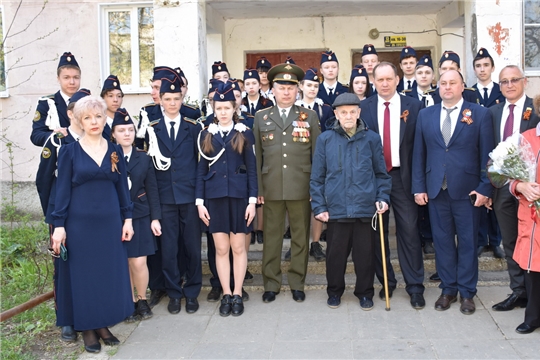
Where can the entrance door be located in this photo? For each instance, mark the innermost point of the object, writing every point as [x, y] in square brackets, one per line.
[304, 59]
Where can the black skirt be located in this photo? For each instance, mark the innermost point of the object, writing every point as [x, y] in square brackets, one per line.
[227, 215]
[143, 242]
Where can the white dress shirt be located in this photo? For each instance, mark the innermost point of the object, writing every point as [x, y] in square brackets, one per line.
[481, 89]
[327, 87]
[65, 97]
[395, 125]
[518, 111]
[454, 116]
[176, 124]
[109, 121]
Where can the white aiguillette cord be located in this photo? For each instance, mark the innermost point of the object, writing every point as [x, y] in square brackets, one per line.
[52, 121]
[144, 124]
[161, 162]
[212, 159]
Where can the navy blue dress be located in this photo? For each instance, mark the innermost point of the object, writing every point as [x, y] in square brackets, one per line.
[91, 203]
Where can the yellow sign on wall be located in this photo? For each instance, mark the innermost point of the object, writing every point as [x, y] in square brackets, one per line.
[395, 41]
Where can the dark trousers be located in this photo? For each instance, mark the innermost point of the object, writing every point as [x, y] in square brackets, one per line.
[532, 312]
[457, 264]
[409, 246]
[424, 226]
[156, 279]
[181, 229]
[211, 246]
[489, 232]
[506, 209]
[341, 237]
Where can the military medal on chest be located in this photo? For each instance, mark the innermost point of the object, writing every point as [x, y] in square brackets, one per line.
[301, 129]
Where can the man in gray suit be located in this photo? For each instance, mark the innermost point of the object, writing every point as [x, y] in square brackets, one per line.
[515, 114]
[285, 137]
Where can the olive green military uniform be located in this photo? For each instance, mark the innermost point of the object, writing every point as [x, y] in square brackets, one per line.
[284, 153]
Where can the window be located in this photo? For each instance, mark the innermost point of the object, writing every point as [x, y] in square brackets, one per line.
[531, 21]
[3, 85]
[127, 45]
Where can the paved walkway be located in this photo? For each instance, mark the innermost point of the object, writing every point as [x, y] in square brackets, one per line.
[285, 329]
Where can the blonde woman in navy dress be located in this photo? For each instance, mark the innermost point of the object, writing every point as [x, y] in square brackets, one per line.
[92, 219]
[144, 194]
[226, 192]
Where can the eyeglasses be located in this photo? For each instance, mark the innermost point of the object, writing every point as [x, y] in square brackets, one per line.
[511, 81]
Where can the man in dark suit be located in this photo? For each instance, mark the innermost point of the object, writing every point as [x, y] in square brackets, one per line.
[51, 112]
[451, 147]
[513, 115]
[393, 116]
[285, 137]
[173, 144]
[330, 88]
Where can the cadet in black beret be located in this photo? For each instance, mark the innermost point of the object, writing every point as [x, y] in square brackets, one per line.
[263, 65]
[407, 63]
[359, 82]
[220, 71]
[253, 100]
[289, 60]
[331, 87]
[51, 115]
[370, 59]
[424, 90]
[450, 61]
[113, 95]
[488, 92]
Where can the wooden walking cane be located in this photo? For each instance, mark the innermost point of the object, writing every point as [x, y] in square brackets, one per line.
[383, 252]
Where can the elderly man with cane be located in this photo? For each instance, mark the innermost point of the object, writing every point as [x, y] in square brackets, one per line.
[349, 184]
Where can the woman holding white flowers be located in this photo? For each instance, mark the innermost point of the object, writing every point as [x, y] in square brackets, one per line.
[226, 192]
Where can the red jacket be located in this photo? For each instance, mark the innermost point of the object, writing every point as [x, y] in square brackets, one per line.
[527, 250]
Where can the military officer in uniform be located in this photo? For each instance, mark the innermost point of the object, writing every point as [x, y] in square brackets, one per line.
[285, 137]
[51, 115]
[330, 87]
[407, 63]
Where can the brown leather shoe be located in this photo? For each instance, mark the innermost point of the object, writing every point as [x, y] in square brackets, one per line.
[444, 301]
[467, 306]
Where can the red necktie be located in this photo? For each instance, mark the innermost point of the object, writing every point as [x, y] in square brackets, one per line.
[387, 149]
[509, 126]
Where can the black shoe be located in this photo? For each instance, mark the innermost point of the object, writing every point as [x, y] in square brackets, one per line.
[143, 309]
[237, 305]
[107, 337]
[435, 277]
[192, 305]
[333, 302]
[260, 237]
[525, 329]
[287, 256]
[269, 296]
[390, 292]
[366, 303]
[323, 236]
[155, 297]
[174, 305]
[91, 341]
[245, 295]
[214, 294]
[225, 308]
[298, 295]
[287, 234]
[498, 252]
[429, 249]
[133, 317]
[68, 334]
[510, 303]
[317, 252]
[253, 237]
[480, 250]
[417, 301]
[248, 277]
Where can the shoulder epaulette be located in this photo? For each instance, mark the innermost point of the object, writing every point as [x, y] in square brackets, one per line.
[470, 89]
[154, 122]
[141, 150]
[265, 109]
[191, 121]
[191, 106]
[407, 90]
[150, 104]
[429, 91]
[46, 97]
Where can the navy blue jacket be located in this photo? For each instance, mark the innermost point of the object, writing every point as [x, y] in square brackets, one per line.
[463, 160]
[233, 175]
[177, 184]
[433, 92]
[40, 131]
[262, 103]
[401, 84]
[406, 130]
[144, 190]
[348, 175]
[494, 98]
[190, 112]
[46, 174]
[323, 95]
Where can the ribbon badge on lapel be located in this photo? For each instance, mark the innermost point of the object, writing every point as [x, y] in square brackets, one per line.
[404, 115]
[114, 161]
[527, 114]
[467, 117]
